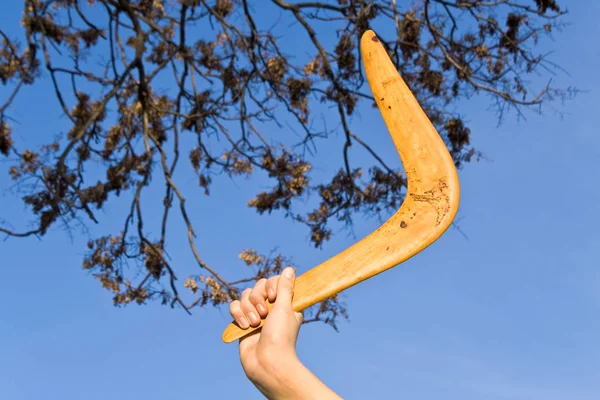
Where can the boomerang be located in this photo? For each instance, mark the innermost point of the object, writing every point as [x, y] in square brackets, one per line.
[430, 205]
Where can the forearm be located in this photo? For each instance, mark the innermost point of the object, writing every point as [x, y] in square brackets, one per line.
[306, 386]
[297, 382]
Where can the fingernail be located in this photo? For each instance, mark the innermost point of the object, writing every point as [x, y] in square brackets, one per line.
[289, 272]
[253, 318]
[262, 309]
[244, 323]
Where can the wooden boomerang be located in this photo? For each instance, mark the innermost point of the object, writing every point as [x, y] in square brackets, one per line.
[430, 205]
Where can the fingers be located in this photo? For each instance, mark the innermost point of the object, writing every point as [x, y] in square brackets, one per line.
[272, 288]
[257, 297]
[252, 306]
[249, 309]
[235, 309]
[285, 288]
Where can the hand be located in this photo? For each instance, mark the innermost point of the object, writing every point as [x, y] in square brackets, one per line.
[268, 356]
[264, 354]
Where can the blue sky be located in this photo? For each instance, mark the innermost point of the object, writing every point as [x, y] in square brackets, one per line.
[511, 313]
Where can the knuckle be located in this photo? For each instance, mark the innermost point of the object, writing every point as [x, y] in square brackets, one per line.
[272, 282]
[261, 281]
[235, 307]
[256, 296]
[236, 314]
[247, 306]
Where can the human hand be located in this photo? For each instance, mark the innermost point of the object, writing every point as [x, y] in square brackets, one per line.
[269, 355]
[270, 352]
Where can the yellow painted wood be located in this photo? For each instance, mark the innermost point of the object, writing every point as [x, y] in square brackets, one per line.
[430, 205]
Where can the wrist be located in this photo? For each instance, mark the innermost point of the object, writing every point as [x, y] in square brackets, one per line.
[285, 369]
[274, 375]
[289, 376]
[298, 383]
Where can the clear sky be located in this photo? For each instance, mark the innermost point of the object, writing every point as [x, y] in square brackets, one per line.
[509, 314]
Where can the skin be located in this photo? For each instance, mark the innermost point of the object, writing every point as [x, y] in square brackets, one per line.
[269, 356]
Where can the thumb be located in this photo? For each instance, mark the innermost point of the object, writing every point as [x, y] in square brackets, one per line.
[285, 288]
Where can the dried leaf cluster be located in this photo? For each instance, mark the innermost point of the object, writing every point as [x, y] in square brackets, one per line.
[231, 82]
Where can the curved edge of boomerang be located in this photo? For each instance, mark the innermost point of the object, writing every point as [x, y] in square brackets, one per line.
[430, 205]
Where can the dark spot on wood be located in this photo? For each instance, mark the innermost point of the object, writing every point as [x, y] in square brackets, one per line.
[389, 107]
[375, 39]
[414, 214]
[382, 99]
[403, 224]
[387, 248]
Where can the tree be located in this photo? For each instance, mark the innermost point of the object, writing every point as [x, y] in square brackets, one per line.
[229, 78]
